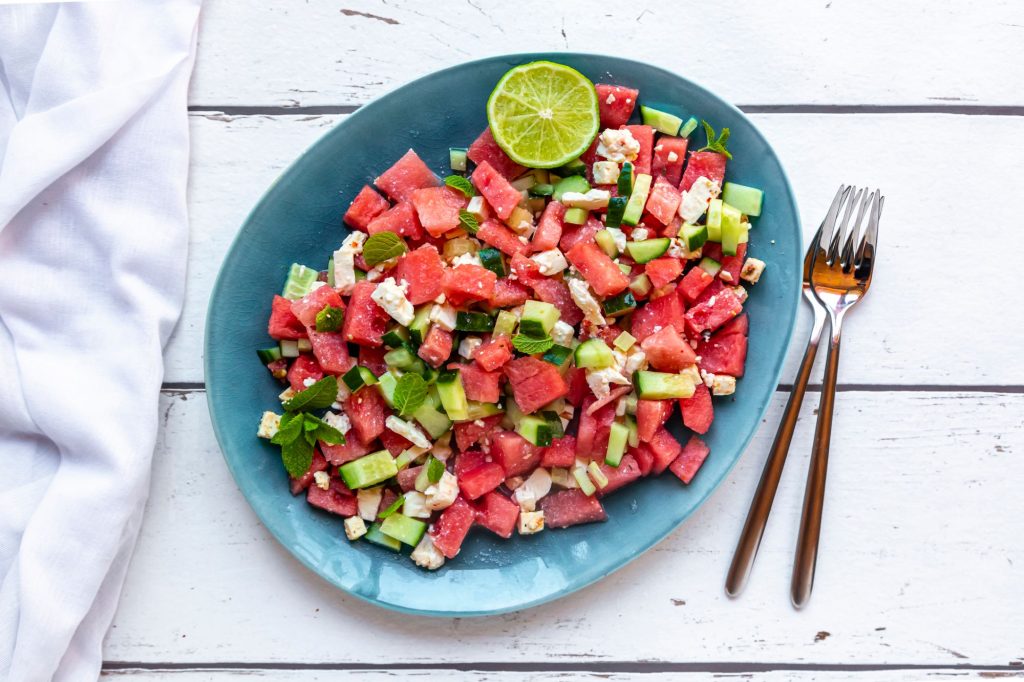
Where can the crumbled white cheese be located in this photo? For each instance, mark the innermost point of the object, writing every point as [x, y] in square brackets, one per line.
[752, 269]
[696, 199]
[408, 431]
[610, 99]
[534, 488]
[672, 157]
[618, 236]
[390, 295]
[531, 522]
[600, 380]
[525, 498]
[316, 285]
[562, 333]
[725, 275]
[308, 381]
[605, 172]
[618, 145]
[740, 292]
[344, 393]
[580, 292]
[550, 262]
[322, 479]
[476, 207]
[345, 262]
[354, 528]
[591, 200]
[693, 372]
[636, 360]
[468, 258]
[639, 234]
[444, 316]
[708, 378]
[468, 345]
[426, 555]
[269, 425]
[368, 502]
[339, 421]
[723, 384]
[620, 407]
[374, 274]
[289, 393]
[563, 478]
[440, 298]
[442, 494]
[414, 505]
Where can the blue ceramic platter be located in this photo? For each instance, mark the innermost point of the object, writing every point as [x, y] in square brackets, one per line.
[299, 220]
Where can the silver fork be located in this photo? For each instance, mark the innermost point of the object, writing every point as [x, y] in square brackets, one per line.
[840, 277]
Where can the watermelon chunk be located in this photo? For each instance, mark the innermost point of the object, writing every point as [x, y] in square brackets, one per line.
[663, 201]
[467, 283]
[400, 219]
[436, 347]
[492, 354]
[307, 307]
[351, 449]
[497, 513]
[714, 312]
[373, 359]
[305, 480]
[468, 434]
[486, 150]
[698, 412]
[689, 461]
[471, 459]
[573, 234]
[480, 385]
[737, 325]
[283, 324]
[662, 271]
[556, 292]
[723, 354]
[660, 312]
[367, 411]
[615, 103]
[549, 227]
[694, 283]
[578, 388]
[561, 453]
[716, 287]
[407, 175]
[645, 136]
[365, 321]
[393, 442]
[330, 350]
[710, 165]
[651, 415]
[624, 474]
[665, 448]
[515, 454]
[535, 383]
[569, 508]
[365, 207]
[498, 192]
[451, 528]
[438, 208]
[333, 500]
[731, 265]
[598, 269]
[668, 351]
[508, 293]
[669, 157]
[593, 429]
[502, 238]
[423, 270]
[407, 478]
[480, 480]
[644, 458]
[525, 270]
[304, 367]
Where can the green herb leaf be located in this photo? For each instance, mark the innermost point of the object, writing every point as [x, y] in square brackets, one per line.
[460, 183]
[297, 456]
[435, 469]
[393, 507]
[324, 431]
[289, 429]
[410, 393]
[329, 319]
[318, 396]
[468, 221]
[530, 345]
[716, 143]
[381, 247]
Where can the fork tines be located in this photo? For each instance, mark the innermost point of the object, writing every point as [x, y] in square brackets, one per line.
[837, 243]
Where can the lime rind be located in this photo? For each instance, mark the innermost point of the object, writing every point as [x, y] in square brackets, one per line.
[543, 114]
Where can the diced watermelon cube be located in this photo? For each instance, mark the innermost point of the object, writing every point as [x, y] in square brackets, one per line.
[561, 453]
[393, 442]
[331, 351]
[502, 238]
[669, 157]
[535, 383]
[423, 270]
[651, 415]
[498, 192]
[569, 508]
[438, 208]
[597, 268]
[365, 207]
[351, 449]
[615, 104]
[452, 527]
[731, 265]
[698, 412]
[710, 165]
[714, 312]
[407, 175]
[525, 270]
[574, 234]
[304, 367]
[663, 201]
[283, 324]
[332, 500]
[723, 354]
[407, 478]
[493, 354]
[668, 351]
[400, 219]
[508, 293]
[307, 307]
[665, 448]
[662, 271]
[549, 227]
[497, 513]
[716, 287]
[467, 283]
[365, 321]
[373, 359]
[737, 325]
[480, 385]
[486, 150]
[468, 460]
[367, 411]
[556, 292]
[480, 480]
[624, 474]
[436, 347]
[578, 388]
[693, 283]
[645, 136]
[644, 458]
[515, 454]
[305, 480]
[689, 461]
[593, 429]
[660, 312]
[672, 228]
[468, 434]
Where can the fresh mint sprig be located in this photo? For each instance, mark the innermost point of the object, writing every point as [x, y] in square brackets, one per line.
[410, 393]
[462, 184]
[716, 143]
[317, 397]
[381, 247]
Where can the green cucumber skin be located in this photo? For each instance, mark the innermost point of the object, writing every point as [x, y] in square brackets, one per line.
[573, 183]
[474, 322]
[648, 249]
[616, 209]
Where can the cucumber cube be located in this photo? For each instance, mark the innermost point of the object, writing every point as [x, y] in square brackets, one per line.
[747, 199]
[661, 121]
[369, 470]
[538, 319]
[663, 386]
[403, 528]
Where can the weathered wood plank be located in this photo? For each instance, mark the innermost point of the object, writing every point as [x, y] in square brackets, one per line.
[922, 562]
[317, 53]
[903, 332]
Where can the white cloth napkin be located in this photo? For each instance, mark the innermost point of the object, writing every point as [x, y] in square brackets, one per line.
[93, 240]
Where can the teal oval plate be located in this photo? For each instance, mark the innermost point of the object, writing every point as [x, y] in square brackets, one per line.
[299, 220]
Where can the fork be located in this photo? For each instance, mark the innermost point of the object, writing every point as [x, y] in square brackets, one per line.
[840, 278]
[764, 497]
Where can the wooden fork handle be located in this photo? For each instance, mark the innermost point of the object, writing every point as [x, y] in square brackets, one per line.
[814, 495]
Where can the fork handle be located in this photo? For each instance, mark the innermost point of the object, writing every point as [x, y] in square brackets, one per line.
[814, 495]
[764, 496]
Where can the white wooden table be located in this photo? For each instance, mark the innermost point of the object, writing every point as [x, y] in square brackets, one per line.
[922, 571]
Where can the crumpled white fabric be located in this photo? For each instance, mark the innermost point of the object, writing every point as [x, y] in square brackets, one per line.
[93, 241]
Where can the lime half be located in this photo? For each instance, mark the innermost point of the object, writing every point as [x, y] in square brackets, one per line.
[543, 114]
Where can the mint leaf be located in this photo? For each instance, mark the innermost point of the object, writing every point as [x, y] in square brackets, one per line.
[410, 393]
[468, 221]
[289, 429]
[323, 431]
[716, 143]
[297, 457]
[435, 469]
[460, 183]
[329, 319]
[530, 345]
[318, 396]
[381, 247]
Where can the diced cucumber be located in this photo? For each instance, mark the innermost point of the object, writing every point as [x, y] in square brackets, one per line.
[429, 417]
[505, 324]
[625, 269]
[572, 168]
[542, 190]
[374, 535]
[330, 272]
[715, 220]
[357, 377]
[535, 429]
[525, 182]
[617, 439]
[420, 324]
[557, 355]
[474, 322]
[513, 415]
[573, 183]
[623, 304]
[747, 199]
[625, 183]
[396, 337]
[662, 385]
[304, 345]
[405, 458]
[709, 265]
[269, 355]
[386, 383]
[641, 285]
[661, 121]
[693, 236]
[493, 261]
[731, 228]
[616, 209]
[631, 403]
[289, 348]
[584, 482]
[594, 354]
[538, 319]
[554, 423]
[606, 240]
[535, 205]
[633, 440]
[648, 249]
[637, 200]
[596, 475]
[453, 395]
[403, 528]
[393, 507]
[368, 470]
[400, 358]
[478, 410]
[624, 341]
[688, 127]
[575, 216]
[457, 158]
[299, 282]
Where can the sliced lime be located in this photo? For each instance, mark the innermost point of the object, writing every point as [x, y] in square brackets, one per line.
[543, 114]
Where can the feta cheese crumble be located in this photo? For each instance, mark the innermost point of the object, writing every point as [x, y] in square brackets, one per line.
[322, 479]
[618, 236]
[469, 258]
[562, 333]
[723, 384]
[752, 269]
[345, 262]
[390, 295]
[468, 345]
[618, 145]
[426, 555]
[442, 494]
[639, 234]
[672, 157]
[339, 421]
[269, 425]
[550, 262]
[697, 199]
[580, 292]
[600, 380]
[531, 522]
[408, 431]
[605, 172]
[414, 505]
[443, 315]
[533, 489]
[354, 528]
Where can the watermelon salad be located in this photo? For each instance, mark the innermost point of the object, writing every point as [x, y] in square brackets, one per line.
[501, 348]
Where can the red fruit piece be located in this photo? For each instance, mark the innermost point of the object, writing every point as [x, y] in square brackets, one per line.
[481, 479]
[615, 103]
[603, 275]
[304, 367]
[645, 136]
[723, 353]
[662, 271]
[436, 347]
[438, 208]
[713, 313]
[471, 459]
[498, 192]
[468, 434]
[535, 383]
[698, 412]
[561, 453]
[525, 270]
[393, 442]
[400, 219]
[465, 284]
[407, 478]
[731, 265]
[508, 293]
[694, 283]
[365, 321]
[333, 500]
[497, 513]
[663, 200]
[549, 227]
[669, 157]
[373, 359]
[624, 474]
[367, 411]
[651, 415]
[689, 461]
[407, 175]
[593, 429]
[331, 351]
[569, 508]
[502, 238]
[283, 324]
[493, 354]
[668, 351]
[710, 165]
[351, 449]
[515, 454]
[644, 458]
[660, 312]
[480, 385]
[307, 307]
[365, 207]
[423, 270]
[665, 448]
[452, 527]
[486, 150]
[556, 292]
[305, 480]
[573, 234]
